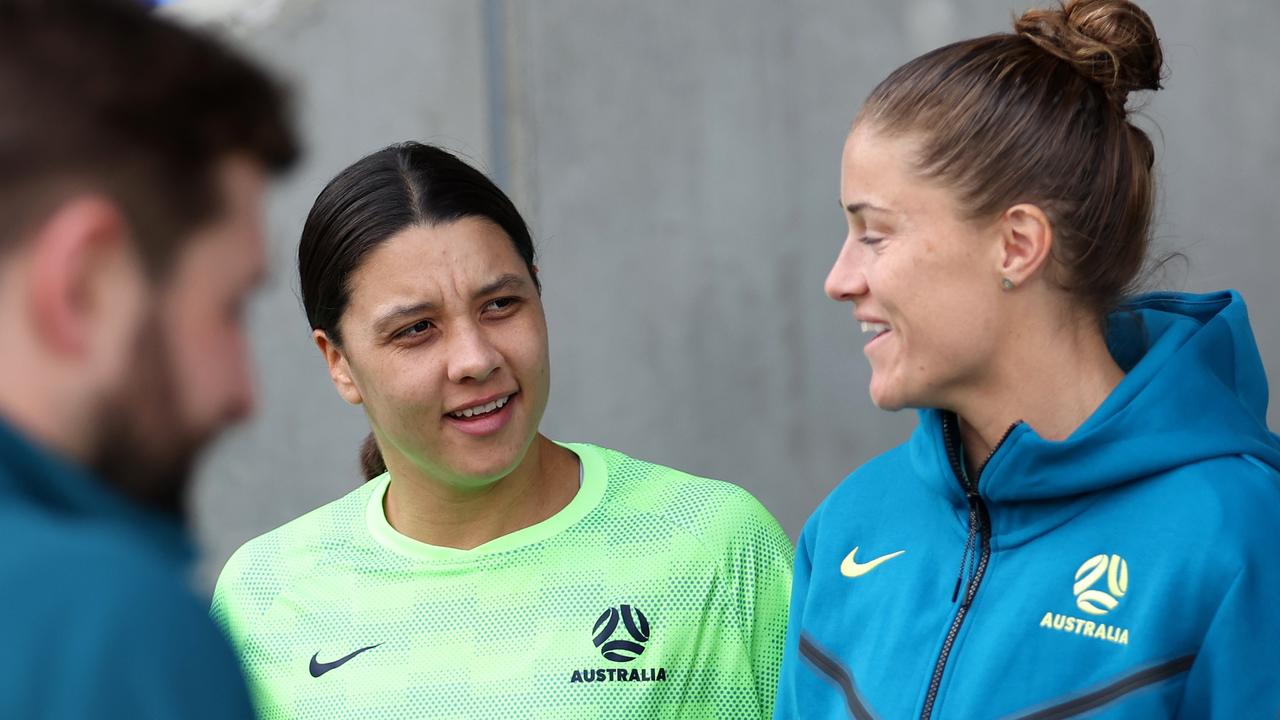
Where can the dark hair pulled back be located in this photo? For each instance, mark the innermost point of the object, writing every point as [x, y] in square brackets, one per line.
[1040, 116]
[378, 196]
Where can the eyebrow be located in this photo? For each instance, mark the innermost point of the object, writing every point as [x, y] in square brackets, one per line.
[855, 208]
[508, 281]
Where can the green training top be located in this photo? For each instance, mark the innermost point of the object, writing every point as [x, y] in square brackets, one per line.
[653, 594]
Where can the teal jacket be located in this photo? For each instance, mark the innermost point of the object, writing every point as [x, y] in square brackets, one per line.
[1129, 571]
[98, 619]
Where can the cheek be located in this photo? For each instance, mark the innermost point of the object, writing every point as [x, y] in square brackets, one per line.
[937, 317]
[400, 389]
[952, 334]
[210, 365]
[524, 344]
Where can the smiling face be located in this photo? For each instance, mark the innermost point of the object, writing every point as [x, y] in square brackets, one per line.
[444, 342]
[924, 281]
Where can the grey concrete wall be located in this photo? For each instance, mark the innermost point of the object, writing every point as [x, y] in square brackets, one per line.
[678, 162]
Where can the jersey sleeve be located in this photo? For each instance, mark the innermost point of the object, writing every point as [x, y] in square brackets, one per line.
[759, 570]
[246, 587]
[226, 609]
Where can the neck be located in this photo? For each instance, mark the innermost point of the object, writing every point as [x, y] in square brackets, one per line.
[36, 408]
[1051, 377]
[436, 513]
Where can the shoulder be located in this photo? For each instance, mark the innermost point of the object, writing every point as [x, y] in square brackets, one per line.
[886, 481]
[1234, 499]
[92, 596]
[65, 556]
[717, 513]
[1212, 520]
[258, 569]
[318, 529]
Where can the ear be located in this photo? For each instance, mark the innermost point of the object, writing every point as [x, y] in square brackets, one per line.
[1026, 242]
[82, 269]
[339, 370]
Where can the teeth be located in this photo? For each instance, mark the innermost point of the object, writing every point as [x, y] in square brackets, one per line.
[876, 328]
[481, 409]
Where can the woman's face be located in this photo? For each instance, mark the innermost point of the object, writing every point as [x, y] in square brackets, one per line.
[924, 281]
[445, 345]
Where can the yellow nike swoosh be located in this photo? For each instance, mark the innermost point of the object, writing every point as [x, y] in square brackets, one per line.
[852, 568]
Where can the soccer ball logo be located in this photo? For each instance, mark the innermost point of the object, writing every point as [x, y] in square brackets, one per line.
[1098, 602]
[631, 644]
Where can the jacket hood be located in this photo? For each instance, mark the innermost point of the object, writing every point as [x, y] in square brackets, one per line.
[1194, 390]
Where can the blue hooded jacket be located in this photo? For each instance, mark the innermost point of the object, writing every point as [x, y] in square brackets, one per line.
[1131, 570]
[98, 617]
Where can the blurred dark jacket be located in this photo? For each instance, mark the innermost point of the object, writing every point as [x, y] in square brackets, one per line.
[99, 619]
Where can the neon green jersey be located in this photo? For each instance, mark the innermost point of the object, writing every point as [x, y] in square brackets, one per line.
[653, 594]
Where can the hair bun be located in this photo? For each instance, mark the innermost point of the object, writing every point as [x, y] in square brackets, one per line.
[1112, 42]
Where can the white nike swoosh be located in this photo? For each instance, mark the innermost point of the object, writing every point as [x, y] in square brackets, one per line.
[852, 568]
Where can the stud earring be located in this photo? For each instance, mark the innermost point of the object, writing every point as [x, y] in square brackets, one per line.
[1006, 283]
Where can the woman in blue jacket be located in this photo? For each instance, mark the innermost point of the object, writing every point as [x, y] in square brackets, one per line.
[1085, 518]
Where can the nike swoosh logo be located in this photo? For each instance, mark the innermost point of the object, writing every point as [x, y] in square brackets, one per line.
[852, 568]
[319, 668]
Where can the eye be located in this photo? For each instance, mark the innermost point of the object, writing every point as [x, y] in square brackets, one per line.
[416, 329]
[870, 241]
[501, 305]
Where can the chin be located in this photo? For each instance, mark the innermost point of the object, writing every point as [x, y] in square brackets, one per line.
[887, 405]
[479, 474]
[489, 467]
[887, 397]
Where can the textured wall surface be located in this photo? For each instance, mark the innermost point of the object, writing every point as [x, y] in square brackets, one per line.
[678, 162]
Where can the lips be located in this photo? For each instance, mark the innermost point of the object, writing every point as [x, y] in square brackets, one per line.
[484, 416]
[875, 340]
[483, 407]
[877, 328]
[874, 327]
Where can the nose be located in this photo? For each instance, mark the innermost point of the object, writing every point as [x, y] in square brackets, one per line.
[846, 280]
[472, 356]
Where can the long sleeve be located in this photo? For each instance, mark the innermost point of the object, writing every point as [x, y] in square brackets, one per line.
[1235, 673]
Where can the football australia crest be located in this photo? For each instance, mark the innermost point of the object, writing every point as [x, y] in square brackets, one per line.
[620, 635]
[1091, 595]
[1100, 583]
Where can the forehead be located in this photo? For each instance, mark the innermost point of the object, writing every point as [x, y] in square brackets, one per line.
[872, 160]
[878, 169]
[435, 262]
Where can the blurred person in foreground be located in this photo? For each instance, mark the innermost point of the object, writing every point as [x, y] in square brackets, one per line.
[1085, 518]
[133, 155]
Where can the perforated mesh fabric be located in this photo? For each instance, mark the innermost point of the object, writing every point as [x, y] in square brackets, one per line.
[519, 628]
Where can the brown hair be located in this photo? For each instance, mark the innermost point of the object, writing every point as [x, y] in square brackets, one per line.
[1040, 116]
[371, 463]
[102, 95]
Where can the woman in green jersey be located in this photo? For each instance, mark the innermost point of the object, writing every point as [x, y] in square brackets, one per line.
[491, 572]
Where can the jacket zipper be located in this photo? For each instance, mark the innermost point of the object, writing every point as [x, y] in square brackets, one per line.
[980, 528]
